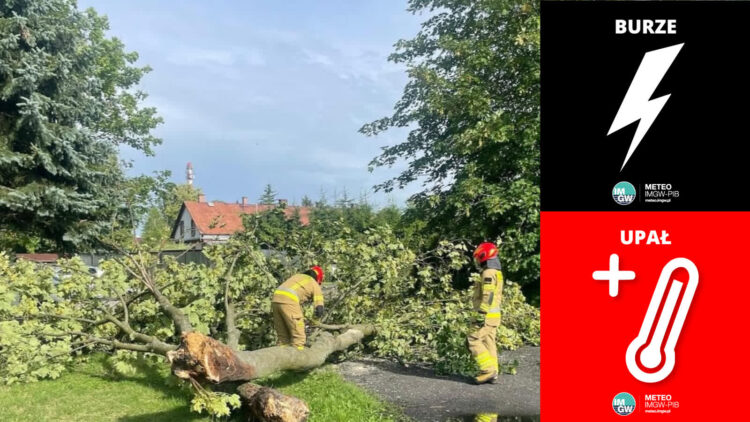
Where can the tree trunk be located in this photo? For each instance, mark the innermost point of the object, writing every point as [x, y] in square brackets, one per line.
[269, 405]
[203, 358]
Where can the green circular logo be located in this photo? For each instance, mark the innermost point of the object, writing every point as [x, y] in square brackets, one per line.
[623, 404]
[623, 193]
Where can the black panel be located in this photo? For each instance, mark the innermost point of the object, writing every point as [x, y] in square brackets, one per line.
[698, 142]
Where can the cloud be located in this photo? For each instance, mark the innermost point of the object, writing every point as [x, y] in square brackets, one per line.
[194, 56]
[267, 92]
[318, 58]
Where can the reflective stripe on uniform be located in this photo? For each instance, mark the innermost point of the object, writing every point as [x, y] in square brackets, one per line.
[488, 287]
[484, 360]
[484, 417]
[493, 313]
[487, 366]
[287, 292]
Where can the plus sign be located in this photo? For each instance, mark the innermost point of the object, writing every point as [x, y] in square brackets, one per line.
[614, 275]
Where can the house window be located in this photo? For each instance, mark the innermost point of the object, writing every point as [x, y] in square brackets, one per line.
[192, 228]
[182, 229]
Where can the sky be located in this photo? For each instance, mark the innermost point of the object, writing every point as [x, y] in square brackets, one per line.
[257, 92]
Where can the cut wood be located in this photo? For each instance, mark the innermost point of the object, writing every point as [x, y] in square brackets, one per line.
[268, 405]
[202, 358]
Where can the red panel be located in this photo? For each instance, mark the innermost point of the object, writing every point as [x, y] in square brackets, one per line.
[585, 332]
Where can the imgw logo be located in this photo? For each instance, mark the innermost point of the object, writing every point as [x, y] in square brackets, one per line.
[623, 193]
[623, 404]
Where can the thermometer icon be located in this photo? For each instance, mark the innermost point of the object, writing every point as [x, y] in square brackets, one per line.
[651, 356]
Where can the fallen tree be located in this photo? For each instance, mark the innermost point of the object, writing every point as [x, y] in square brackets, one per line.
[203, 358]
[79, 311]
[214, 322]
[200, 358]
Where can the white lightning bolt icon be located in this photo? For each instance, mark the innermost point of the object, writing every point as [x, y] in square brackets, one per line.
[637, 104]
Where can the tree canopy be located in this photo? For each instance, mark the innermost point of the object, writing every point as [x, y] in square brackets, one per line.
[472, 109]
[68, 99]
[142, 301]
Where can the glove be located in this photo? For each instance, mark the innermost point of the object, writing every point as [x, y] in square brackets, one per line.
[319, 311]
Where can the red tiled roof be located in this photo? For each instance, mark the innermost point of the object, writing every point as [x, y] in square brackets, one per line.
[223, 218]
[39, 257]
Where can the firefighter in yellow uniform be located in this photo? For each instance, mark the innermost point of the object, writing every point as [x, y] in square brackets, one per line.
[488, 292]
[286, 305]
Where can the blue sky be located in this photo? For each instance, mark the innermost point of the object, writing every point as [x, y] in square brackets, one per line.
[267, 91]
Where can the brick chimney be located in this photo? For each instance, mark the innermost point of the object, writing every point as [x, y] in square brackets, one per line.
[244, 201]
[201, 198]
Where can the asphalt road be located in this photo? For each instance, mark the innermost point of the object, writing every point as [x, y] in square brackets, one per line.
[425, 396]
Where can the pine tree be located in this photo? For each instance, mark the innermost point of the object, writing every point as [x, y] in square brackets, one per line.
[269, 196]
[67, 101]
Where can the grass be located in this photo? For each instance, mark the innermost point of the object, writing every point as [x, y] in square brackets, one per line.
[330, 398]
[90, 393]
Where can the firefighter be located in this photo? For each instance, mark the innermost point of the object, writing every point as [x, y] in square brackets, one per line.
[286, 306]
[487, 296]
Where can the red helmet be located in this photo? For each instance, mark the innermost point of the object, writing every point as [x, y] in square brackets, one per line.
[485, 251]
[318, 273]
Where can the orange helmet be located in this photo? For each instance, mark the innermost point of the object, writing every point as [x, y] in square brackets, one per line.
[485, 251]
[318, 273]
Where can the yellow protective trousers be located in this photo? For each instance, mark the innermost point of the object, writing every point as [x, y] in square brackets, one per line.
[289, 324]
[483, 348]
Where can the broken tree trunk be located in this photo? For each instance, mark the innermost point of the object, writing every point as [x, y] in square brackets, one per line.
[202, 358]
[269, 405]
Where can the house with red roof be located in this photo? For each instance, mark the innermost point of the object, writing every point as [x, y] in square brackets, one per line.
[216, 221]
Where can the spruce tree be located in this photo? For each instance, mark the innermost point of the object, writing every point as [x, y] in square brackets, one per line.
[67, 101]
[269, 196]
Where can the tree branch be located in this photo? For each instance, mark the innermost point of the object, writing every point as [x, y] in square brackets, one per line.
[155, 347]
[233, 334]
[126, 313]
[181, 321]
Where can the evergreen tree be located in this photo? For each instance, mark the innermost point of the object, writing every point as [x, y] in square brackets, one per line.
[306, 201]
[322, 199]
[67, 101]
[269, 196]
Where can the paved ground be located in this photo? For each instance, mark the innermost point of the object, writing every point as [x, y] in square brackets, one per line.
[425, 396]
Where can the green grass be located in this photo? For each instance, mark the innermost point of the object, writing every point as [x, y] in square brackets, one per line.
[90, 393]
[330, 398]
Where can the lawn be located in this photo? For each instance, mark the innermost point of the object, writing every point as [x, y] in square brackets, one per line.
[90, 392]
